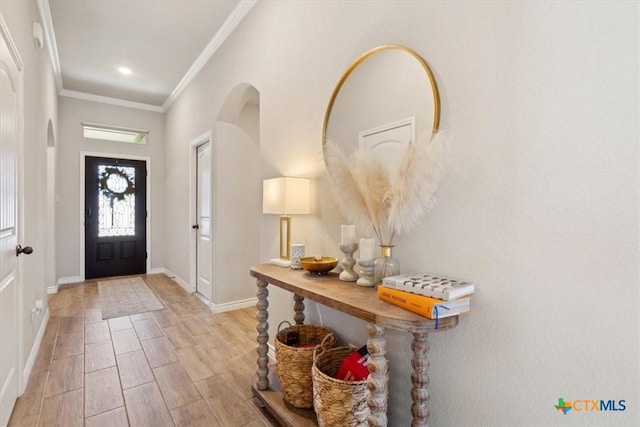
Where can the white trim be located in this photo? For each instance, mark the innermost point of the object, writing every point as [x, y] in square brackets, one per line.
[235, 305]
[160, 270]
[235, 17]
[146, 159]
[4, 32]
[7, 281]
[179, 281]
[52, 46]
[53, 289]
[193, 195]
[183, 284]
[114, 127]
[409, 121]
[272, 352]
[67, 280]
[34, 350]
[108, 100]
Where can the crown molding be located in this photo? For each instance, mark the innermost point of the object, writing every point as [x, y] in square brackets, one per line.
[52, 46]
[13, 50]
[113, 101]
[236, 16]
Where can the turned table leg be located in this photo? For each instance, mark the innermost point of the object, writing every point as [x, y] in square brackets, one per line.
[378, 381]
[263, 335]
[298, 307]
[420, 380]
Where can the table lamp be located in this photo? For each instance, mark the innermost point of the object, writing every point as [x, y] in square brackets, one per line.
[285, 196]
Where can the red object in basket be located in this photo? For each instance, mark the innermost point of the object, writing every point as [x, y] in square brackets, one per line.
[354, 367]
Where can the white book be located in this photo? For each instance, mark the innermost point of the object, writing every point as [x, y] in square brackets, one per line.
[430, 286]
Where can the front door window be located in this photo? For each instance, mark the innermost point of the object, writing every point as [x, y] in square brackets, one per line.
[116, 201]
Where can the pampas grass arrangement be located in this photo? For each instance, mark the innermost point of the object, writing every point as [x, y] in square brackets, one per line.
[390, 204]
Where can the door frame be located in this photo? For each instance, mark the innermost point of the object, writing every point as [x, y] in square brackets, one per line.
[83, 155]
[193, 199]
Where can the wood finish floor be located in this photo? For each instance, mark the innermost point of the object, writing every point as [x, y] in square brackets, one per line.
[180, 366]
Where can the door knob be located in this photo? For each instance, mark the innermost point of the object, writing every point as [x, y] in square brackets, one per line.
[195, 227]
[27, 250]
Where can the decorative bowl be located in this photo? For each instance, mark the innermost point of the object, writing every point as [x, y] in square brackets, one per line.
[319, 265]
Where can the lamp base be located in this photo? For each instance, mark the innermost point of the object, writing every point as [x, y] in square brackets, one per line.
[280, 262]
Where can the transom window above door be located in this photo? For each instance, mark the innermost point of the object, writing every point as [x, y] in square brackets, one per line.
[115, 133]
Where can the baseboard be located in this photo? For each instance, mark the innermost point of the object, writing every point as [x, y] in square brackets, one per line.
[179, 281]
[34, 350]
[160, 270]
[67, 280]
[63, 281]
[235, 305]
[216, 308]
[272, 352]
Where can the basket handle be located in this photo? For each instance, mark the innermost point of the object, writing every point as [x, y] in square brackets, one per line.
[282, 323]
[327, 342]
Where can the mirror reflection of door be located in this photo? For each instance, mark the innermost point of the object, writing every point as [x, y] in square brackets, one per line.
[388, 142]
[115, 217]
[384, 85]
[203, 224]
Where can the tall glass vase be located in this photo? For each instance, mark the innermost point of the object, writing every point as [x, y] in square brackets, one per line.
[385, 265]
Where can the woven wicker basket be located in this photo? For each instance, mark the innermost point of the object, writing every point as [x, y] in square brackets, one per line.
[337, 403]
[293, 364]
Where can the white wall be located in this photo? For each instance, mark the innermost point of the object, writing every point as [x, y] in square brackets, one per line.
[40, 105]
[540, 207]
[70, 144]
[237, 213]
[236, 185]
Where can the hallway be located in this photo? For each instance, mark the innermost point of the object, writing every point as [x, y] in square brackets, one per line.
[182, 365]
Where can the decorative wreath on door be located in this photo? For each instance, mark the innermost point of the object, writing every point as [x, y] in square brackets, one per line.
[115, 184]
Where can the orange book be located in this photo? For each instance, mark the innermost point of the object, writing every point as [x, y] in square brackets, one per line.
[432, 308]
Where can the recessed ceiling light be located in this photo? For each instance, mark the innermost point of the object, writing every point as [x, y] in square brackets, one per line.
[124, 70]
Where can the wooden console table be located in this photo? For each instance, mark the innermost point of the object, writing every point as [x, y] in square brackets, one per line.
[359, 302]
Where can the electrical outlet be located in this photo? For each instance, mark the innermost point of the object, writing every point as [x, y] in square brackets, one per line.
[37, 306]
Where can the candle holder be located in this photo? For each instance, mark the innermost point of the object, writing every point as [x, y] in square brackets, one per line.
[348, 275]
[367, 277]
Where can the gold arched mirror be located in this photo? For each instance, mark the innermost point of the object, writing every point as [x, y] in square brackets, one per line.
[387, 94]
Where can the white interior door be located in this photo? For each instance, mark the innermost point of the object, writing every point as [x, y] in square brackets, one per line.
[203, 212]
[9, 134]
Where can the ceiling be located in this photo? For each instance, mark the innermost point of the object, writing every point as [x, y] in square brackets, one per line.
[163, 42]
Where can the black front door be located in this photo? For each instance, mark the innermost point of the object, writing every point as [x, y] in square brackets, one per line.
[115, 217]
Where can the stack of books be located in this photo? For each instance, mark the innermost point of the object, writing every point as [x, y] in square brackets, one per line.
[430, 296]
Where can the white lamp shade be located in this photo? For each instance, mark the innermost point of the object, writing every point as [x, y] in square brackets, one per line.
[285, 196]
